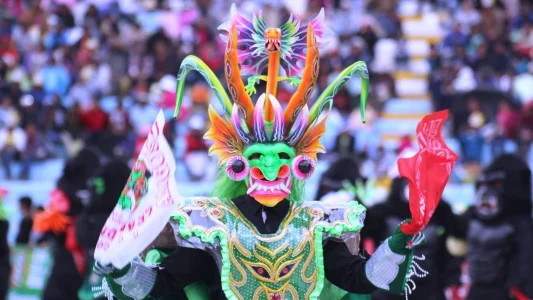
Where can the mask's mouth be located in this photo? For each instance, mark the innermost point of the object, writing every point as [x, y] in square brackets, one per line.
[275, 296]
[272, 44]
[487, 204]
[259, 186]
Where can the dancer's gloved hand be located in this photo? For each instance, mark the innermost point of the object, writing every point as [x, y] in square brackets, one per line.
[109, 270]
[402, 243]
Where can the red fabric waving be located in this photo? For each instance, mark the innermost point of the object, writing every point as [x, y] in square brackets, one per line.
[427, 171]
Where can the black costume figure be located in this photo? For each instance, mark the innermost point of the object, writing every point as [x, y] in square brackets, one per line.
[500, 232]
[105, 187]
[343, 169]
[444, 270]
[66, 277]
[25, 226]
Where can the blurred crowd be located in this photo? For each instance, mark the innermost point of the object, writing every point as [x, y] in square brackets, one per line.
[75, 73]
[484, 62]
[97, 72]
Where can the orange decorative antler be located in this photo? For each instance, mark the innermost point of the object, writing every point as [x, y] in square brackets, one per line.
[233, 78]
[309, 77]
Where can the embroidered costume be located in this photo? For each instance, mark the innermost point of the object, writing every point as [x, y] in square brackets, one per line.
[256, 238]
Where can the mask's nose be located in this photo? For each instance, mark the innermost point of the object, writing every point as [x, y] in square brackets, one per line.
[270, 174]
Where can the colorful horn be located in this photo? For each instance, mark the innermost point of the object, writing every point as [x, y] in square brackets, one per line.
[236, 120]
[278, 131]
[259, 122]
[298, 129]
[326, 98]
[309, 77]
[191, 63]
[234, 80]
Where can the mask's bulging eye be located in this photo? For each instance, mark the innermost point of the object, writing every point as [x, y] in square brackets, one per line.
[254, 156]
[284, 155]
[303, 166]
[237, 168]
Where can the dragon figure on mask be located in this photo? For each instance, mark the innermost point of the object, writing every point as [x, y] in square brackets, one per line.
[255, 237]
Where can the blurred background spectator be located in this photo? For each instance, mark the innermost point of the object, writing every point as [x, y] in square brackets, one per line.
[25, 226]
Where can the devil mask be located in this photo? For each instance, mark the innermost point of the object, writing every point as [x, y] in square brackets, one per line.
[269, 151]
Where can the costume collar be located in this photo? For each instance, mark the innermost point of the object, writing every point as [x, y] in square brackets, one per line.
[250, 204]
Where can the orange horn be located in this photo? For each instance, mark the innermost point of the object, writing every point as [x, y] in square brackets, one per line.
[234, 80]
[309, 77]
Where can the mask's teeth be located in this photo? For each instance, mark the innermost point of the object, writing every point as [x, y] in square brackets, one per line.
[252, 188]
[284, 188]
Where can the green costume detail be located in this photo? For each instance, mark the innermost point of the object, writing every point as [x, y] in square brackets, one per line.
[136, 187]
[255, 79]
[285, 265]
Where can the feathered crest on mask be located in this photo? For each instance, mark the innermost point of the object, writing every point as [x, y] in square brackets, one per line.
[266, 122]
[254, 58]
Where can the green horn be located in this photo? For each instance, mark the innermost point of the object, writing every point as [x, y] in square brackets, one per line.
[191, 63]
[326, 98]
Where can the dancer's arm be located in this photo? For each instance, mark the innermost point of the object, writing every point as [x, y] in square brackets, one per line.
[178, 270]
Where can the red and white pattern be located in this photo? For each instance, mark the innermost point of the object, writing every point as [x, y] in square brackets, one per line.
[128, 231]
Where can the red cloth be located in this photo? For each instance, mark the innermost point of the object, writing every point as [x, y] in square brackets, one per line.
[94, 120]
[427, 171]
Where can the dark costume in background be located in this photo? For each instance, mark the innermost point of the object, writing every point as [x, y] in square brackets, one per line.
[106, 186]
[25, 226]
[58, 222]
[343, 169]
[500, 232]
[444, 270]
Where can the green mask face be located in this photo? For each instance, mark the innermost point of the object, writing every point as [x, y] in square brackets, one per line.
[269, 180]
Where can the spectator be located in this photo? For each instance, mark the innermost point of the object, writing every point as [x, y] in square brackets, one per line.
[56, 78]
[30, 112]
[142, 114]
[26, 224]
[499, 60]
[37, 91]
[508, 120]
[196, 155]
[93, 119]
[36, 149]
[37, 59]
[467, 16]
[81, 92]
[13, 141]
[8, 111]
[344, 144]
[405, 143]
[456, 38]
[101, 82]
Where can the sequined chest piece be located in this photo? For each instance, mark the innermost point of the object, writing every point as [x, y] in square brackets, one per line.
[283, 265]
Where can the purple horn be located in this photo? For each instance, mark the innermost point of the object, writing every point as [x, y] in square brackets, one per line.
[236, 120]
[259, 123]
[278, 131]
[298, 129]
